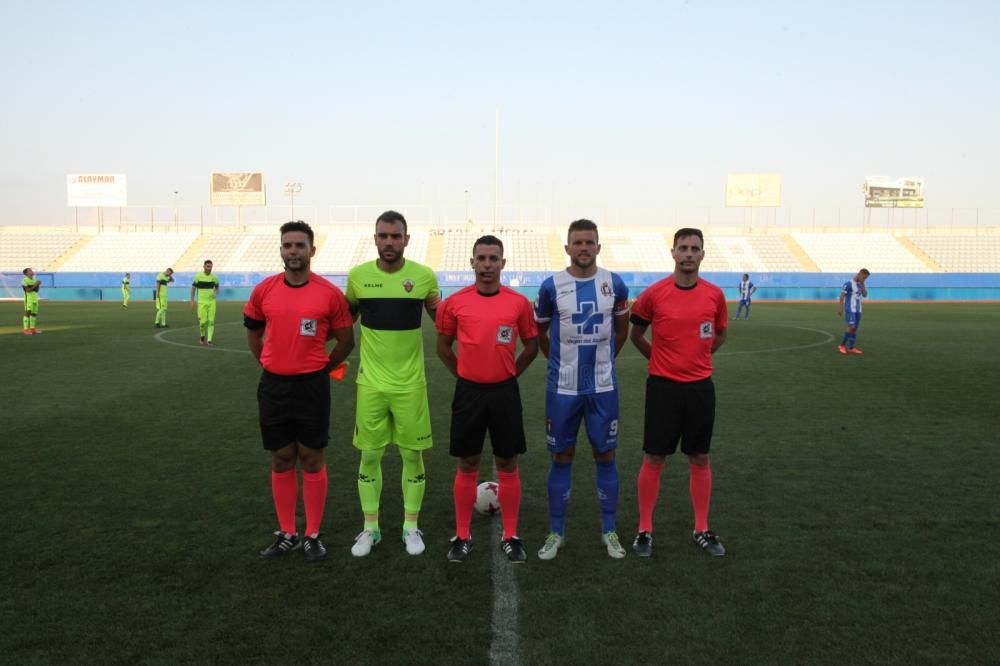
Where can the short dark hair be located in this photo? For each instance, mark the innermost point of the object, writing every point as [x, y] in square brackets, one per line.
[392, 217]
[582, 225]
[689, 231]
[487, 240]
[208, 261]
[865, 271]
[298, 225]
[25, 271]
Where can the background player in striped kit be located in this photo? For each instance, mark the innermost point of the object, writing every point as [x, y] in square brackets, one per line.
[746, 290]
[849, 306]
[585, 309]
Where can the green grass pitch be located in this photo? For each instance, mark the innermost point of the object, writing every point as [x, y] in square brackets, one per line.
[857, 496]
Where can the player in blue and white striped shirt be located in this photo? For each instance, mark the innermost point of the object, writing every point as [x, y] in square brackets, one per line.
[746, 289]
[851, 297]
[582, 316]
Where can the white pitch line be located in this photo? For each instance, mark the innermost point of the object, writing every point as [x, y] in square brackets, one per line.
[159, 338]
[505, 646]
[829, 338]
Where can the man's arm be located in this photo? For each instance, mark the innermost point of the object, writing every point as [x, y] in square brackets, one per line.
[343, 346]
[543, 337]
[192, 298]
[431, 304]
[638, 338]
[621, 332]
[446, 353]
[255, 342]
[840, 303]
[529, 351]
[719, 339]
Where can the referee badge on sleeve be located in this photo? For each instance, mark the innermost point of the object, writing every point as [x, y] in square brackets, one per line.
[705, 330]
[307, 327]
[505, 335]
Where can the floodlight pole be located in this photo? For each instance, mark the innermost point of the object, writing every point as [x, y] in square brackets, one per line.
[176, 220]
[291, 189]
[466, 207]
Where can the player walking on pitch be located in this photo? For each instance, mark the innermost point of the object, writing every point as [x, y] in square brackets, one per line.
[160, 296]
[31, 286]
[126, 289]
[389, 295]
[206, 286]
[746, 290]
[849, 307]
[487, 319]
[289, 319]
[585, 310]
[688, 317]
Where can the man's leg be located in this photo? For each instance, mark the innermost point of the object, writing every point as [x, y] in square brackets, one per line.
[210, 324]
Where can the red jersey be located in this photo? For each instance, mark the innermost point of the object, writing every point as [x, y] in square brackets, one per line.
[685, 322]
[487, 328]
[298, 321]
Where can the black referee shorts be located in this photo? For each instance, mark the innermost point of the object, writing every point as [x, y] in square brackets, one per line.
[678, 412]
[478, 408]
[294, 408]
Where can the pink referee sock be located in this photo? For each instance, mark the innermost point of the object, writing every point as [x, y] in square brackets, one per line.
[701, 494]
[285, 491]
[509, 496]
[464, 492]
[649, 490]
[314, 487]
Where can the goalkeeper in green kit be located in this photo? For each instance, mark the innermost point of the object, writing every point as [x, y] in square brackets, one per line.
[207, 287]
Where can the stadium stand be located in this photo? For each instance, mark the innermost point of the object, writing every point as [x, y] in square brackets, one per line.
[846, 253]
[635, 252]
[962, 254]
[38, 249]
[114, 251]
[524, 250]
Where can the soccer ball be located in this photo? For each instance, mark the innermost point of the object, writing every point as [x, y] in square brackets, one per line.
[487, 500]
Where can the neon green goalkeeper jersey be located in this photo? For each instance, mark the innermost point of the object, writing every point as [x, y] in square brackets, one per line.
[391, 305]
[205, 286]
[29, 283]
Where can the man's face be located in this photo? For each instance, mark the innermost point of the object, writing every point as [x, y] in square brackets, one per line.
[296, 250]
[170, 272]
[583, 248]
[487, 262]
[208, 268]
[30, 274]
[688, 253]
[861, 277]
[390, 239]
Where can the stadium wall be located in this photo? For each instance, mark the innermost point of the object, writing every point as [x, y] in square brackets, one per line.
[771, 286]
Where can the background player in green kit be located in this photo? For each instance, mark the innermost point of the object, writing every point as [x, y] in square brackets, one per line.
[389, 294]
[126, 289]
[30, 285]
[207, 286]
[160, 296]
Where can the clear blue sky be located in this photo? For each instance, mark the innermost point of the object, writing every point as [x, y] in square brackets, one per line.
[602, 105]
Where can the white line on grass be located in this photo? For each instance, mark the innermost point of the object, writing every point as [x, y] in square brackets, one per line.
[829, 338]
[159, 338]
[505, 646]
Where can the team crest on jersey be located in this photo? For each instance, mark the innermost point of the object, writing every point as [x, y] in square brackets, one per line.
[307, 327]
[505, 335]
[408, 285]
[606, 289]
[706, 330]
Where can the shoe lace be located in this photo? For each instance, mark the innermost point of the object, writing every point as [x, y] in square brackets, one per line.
[365, 534]
[413, 534]
[552, 541]
[613, 540]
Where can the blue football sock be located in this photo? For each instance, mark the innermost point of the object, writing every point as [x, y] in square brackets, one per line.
[852, 339]
[560, 485]
[607, 494]
[843, 340]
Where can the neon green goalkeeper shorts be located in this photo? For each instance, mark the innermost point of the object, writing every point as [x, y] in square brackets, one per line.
[392, 417]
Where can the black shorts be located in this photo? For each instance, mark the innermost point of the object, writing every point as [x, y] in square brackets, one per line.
[477, 408]
[678, 412]
[294, 408]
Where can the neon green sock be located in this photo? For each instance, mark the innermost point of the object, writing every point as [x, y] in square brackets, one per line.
[33, 322]
[211, 329]
[413, 484]
[27, 323]
[370, 485]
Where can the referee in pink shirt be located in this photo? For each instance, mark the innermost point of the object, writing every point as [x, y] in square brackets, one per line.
[487, 319]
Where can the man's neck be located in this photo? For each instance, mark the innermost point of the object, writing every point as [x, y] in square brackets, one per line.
[297, 277]
[488, 288]
[582, 273]
[685, 279]
[390, 268]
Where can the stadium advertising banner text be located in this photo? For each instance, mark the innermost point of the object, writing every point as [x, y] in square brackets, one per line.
[883, 192]
[107, 190]
[753, 190]
[245, 188]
